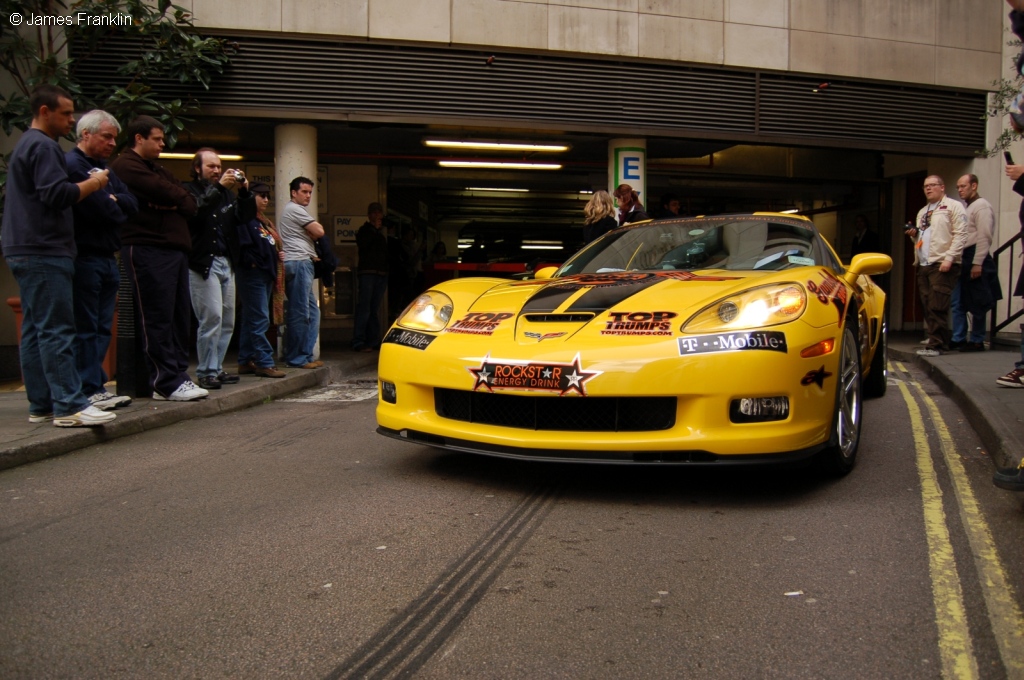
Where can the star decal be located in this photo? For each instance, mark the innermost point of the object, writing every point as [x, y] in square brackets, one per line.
[817, 377]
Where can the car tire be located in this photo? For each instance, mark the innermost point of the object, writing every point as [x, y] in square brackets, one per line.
[840, 454]
[877, 380]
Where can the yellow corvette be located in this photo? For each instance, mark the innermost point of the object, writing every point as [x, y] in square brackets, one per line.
[710, 340]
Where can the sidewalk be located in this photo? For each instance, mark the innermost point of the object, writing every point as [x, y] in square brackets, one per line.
[996, 413]
[23, 442]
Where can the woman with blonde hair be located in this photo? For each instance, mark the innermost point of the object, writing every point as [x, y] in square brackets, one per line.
[598, 215]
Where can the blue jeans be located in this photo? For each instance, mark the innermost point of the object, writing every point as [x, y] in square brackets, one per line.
[96, 281]
[213, 301]
[372, 288]
[255, 289]
[302, 317]
[960, 320]
[46, 285]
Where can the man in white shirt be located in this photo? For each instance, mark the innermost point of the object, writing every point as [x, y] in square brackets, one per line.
[302, 319]
[938, 234]
[974, 290]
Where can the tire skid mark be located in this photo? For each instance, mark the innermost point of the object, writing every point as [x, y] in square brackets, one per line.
[408, 641]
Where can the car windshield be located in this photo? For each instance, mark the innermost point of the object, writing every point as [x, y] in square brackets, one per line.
[732, 243]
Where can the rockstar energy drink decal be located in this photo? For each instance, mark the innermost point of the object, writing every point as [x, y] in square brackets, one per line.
[561, 378]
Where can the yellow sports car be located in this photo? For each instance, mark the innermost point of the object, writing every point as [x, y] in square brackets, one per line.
[709, 340]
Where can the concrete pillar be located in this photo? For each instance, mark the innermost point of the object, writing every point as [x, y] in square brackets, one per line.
[294, 156]
[627, 164]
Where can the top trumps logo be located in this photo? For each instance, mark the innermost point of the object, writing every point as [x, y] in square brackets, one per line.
[479, 323]
[639, 323]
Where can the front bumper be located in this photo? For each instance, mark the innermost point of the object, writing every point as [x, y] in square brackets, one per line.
[702, 387]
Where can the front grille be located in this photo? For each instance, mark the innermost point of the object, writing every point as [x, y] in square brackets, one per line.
[573, 414]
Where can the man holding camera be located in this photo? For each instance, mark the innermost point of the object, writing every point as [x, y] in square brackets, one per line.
[211, 262]
[938, 235]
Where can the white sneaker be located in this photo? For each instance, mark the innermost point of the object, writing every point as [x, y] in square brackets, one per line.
[187, 391]
[106, 401]
[32, 418]
[90, 416]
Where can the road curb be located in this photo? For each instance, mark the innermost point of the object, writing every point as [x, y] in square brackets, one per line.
[994, 427]
[46, 441]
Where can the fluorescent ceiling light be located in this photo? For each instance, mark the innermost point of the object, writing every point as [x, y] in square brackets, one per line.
[500, 165]
[496, 189]
[177, 156]
[791, 211]
[524, 247]
[494, 146]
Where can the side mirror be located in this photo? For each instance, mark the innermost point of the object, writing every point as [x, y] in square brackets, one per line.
[545, 272]
[868, 264]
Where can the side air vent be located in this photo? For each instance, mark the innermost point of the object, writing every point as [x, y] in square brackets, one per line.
[558, 318]
[445, 83]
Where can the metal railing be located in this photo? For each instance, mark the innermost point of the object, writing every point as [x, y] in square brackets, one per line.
[1013, 245]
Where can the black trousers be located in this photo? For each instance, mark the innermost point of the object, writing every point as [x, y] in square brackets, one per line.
[159, 278]
[936, 291]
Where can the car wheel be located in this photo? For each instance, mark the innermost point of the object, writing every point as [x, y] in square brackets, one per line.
[839, 456]
[878, 379]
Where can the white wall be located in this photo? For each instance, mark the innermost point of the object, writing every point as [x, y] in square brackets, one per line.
[955, 43]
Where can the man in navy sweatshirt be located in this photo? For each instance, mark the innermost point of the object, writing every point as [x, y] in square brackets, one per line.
[39, 245]
[97, 235]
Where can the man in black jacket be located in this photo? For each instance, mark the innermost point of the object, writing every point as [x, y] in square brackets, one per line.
[372, 242]
[98, 221]
[1012, 478]
[154, 252]
[213, 258]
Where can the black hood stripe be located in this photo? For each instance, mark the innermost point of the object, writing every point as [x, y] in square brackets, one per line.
[605, 290]
[603, 298]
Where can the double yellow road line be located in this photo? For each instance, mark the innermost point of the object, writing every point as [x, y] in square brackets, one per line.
[955, 647]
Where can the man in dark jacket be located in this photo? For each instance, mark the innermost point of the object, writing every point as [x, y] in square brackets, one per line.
[372, 243]
[98, 219]
[39, 246]
[212, 261]
[1012, 478]
[154, 252]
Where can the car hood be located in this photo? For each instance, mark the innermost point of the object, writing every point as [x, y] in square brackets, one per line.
[633, 304]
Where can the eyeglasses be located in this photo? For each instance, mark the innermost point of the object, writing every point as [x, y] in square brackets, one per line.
[931, 185]
[263, 194]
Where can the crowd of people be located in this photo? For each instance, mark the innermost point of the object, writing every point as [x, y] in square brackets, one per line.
[184, 247]
[190, 247]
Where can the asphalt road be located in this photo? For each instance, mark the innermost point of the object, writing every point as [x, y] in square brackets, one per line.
[289, 540]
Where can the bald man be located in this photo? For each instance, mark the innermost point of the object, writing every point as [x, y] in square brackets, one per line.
[939, 235]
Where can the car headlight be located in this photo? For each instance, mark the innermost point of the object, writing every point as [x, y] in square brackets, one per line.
[755, 308]
[429, 312]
